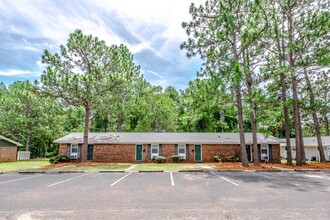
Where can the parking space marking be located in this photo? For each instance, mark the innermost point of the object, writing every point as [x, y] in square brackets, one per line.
[225, 179]
[121, 179]
[172, 180]
[9, 181]
[63, 181]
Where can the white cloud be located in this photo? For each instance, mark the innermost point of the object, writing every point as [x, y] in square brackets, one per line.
[13, 72]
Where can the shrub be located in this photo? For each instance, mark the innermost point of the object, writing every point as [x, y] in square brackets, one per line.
[160, 159]
[216, 158]
[58, 158]
[176, 158]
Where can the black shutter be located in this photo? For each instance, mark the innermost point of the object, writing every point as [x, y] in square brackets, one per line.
[270, 148]
[160, 150]
[79, 148]
[176, 150]
[68, 150]
[187, 151]
[259, 151]
[149, 151]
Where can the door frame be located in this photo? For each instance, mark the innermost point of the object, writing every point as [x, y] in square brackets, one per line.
[136, 152]
[195, 153]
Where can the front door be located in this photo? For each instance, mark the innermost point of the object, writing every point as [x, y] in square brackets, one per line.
[198, 153]
[90, 152]
[248, 152]
[139, 150]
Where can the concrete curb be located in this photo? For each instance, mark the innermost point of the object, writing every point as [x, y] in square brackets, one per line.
[31, 172]
[191, 171]
[307, 170]
[112, 171]
[151, 171]
[273, 171]
[230, 170]
[71, 171]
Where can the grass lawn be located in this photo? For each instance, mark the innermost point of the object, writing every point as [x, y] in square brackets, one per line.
[31, 165]
[168, 167]
[95, 168]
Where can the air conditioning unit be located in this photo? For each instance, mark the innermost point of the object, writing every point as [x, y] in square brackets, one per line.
[73, 156]
[181, 157]
[153, 156]
[264, 158]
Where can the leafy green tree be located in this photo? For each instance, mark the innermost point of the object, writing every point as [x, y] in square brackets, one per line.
[221, 33]
[29, 117]
[82, 73]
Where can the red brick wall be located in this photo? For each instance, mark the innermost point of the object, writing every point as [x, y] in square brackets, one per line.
[114, 152]
[126, 152]
[62, 149]
[8, 154]
[221, 150]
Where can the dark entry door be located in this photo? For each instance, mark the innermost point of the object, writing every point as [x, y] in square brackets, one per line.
[90, 152]
[198, 153]
[248, 152]
[139, 150]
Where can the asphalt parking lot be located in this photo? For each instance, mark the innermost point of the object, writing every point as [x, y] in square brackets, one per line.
[167, 195]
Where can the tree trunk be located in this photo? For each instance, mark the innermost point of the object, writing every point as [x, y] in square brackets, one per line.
[120, 122]
[286, 120]
[253, 121]
[86, 130]
[315, 119]
[297, 123]
[240, 125]
[28, 142]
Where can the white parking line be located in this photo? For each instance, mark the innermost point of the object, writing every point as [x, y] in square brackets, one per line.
[121, 178]
[225, 179]
[63, 181]
[9, 181]
[172, 180]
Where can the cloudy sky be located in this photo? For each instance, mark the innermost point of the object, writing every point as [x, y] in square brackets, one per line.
[151, 29]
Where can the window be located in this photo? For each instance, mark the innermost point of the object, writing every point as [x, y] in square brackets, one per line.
[154, 150]
[264, 152]
[74, 151]
[182, 151]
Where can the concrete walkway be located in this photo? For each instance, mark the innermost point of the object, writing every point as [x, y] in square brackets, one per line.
[132, 167]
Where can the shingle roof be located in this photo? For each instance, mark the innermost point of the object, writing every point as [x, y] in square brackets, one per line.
[169, 138]
[10, 141]
[309, 141]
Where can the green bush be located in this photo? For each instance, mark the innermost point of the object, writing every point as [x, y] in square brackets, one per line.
[176, 158]
[160, 159]
[216, 158]
[58, 158]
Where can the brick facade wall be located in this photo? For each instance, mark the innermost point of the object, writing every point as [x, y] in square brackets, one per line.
[114, 152]
[8, 154]
[126, 152]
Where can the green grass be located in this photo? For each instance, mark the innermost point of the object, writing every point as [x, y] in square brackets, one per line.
[167, 167]
[31, 165]
[111, 167]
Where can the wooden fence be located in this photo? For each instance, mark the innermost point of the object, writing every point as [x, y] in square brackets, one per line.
[23, 155]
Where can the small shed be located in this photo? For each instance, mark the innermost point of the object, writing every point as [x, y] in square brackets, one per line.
[8, 149]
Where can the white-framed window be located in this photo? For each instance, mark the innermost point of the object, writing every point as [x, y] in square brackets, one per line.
[182, 151]
[264, 152]
[154, 150]
[74, 151]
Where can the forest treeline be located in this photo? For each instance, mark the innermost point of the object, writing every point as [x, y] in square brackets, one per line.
[266, 69]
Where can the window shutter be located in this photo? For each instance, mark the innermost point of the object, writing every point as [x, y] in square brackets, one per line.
[68, 150]
[176, 150]
[79, 147]
[259, 151]
[149, 151]
[270, 149]
[160, 150]
[187, 151]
